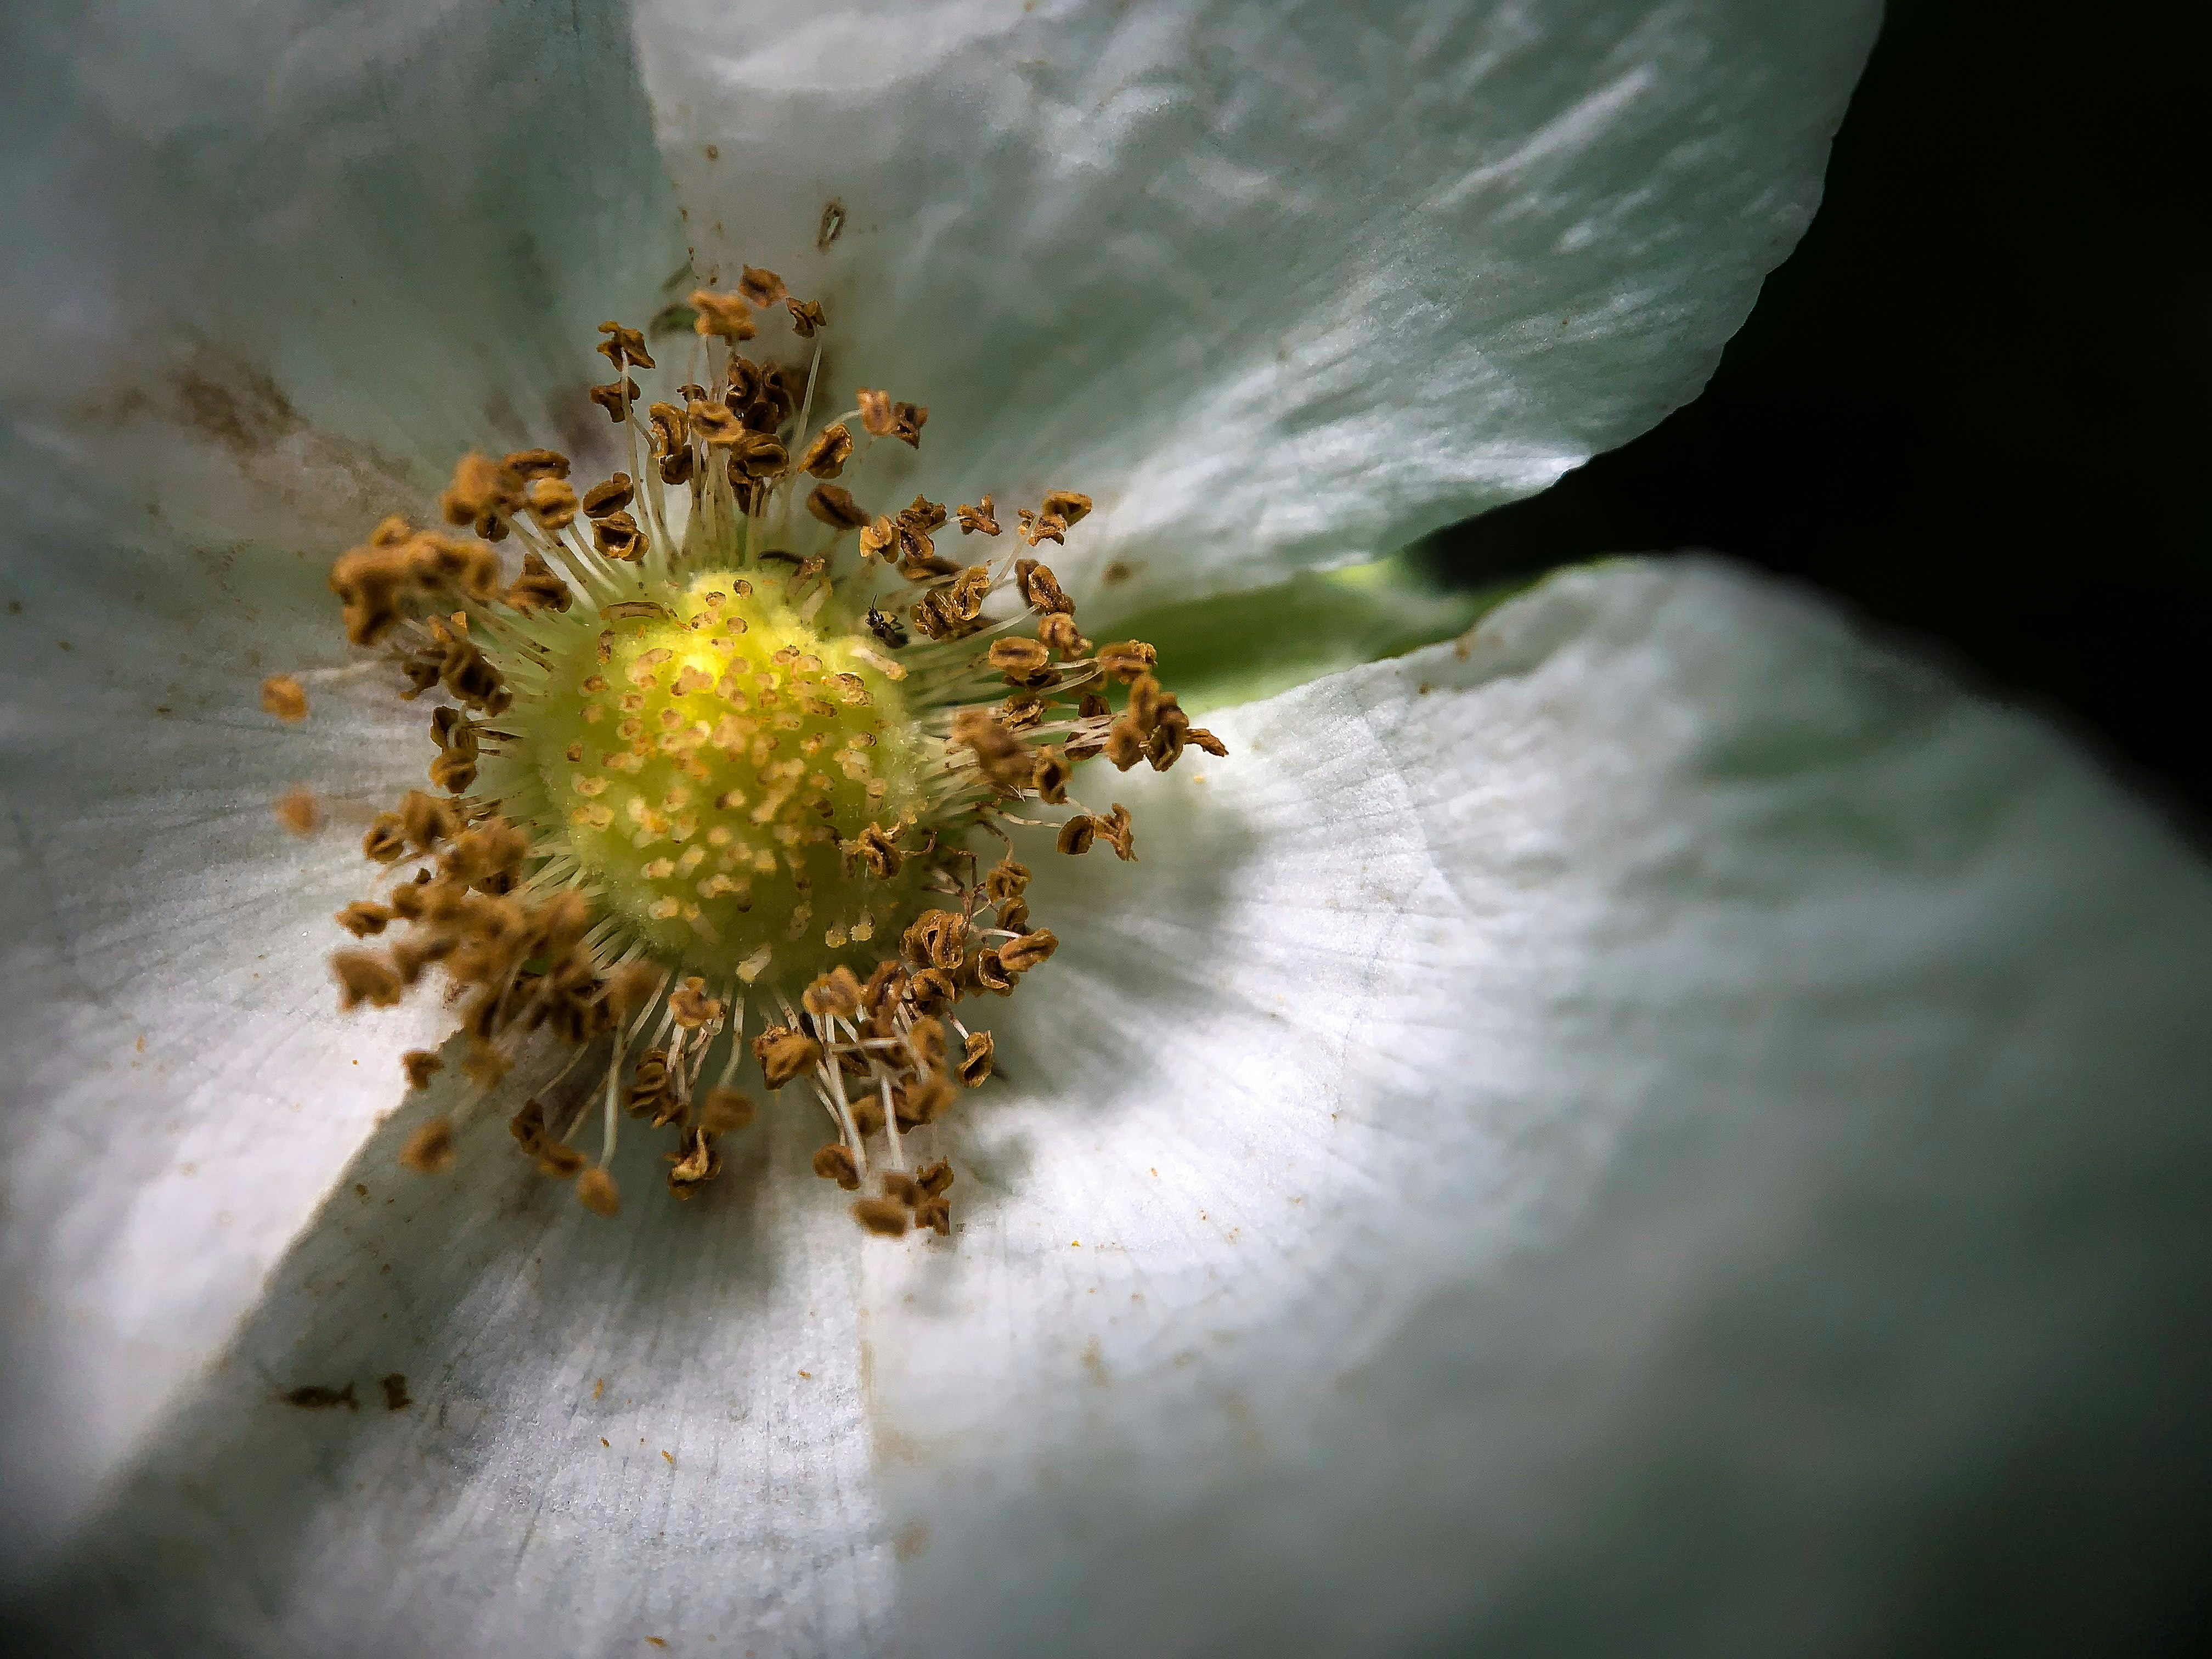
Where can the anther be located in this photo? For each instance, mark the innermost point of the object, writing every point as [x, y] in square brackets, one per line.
[284, 698]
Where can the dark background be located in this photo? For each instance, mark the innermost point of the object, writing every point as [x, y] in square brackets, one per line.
[1969, 405]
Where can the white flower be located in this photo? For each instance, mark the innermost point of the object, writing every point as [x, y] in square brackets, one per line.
[1603, 1140]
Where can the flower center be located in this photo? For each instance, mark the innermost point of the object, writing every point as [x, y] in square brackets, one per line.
[710, 761]
[693, 778]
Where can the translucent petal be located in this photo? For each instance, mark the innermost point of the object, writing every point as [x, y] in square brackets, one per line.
[1642, 1139]
[1275, 285]
[268, 276]
[566, 1434]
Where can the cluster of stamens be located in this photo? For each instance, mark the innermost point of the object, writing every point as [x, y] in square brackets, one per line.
[689, 773]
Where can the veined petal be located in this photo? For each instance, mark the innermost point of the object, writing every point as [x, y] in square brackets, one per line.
[271, 272]
[1277, 285]
[566, 1436]
[1626, 1142]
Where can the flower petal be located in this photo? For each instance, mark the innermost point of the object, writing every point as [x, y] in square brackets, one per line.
[265, 260]
[1638, 1140]
[269, 275]
[566, 1435]
[1277, 286]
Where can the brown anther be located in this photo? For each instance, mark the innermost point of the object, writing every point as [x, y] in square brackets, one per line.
[528, 1126]
[835, 995]
[597, 1192]
[1041, 588]
[468, 673]
[877, 538]
[1128, 659]
[426, 820]
[901, 1187]
[284, 698]
[806, 316]
[361, 919]
[992, 974]
[696, 1161]
[623, 346]
[363, 977]
[453, 770]
[925, 1041]
[761, 288]
[375, 582]
[1022, 711]
[1023, 662]
[1118, 834]
[617, 396]
[835, 1163]
[429, 1150]
[1007, 880]
[1077, 833]
[1199, 737]
[757, 455]
[486, 1066]
[725, 1110]
[826, 456]
[558, 1160]
[922, 515]
[672, 428]
[1058, 631]
[691, 1005]
[976, 1064]
[879, 849]
[1041, 527]
[886, 419]
[936, 938]
[931, 990]
[421, 1065]
[631, 986]
[531, 463]
[1164, 746]
[299, 811]
[1014, 914]
[481, 487]
[1020, 955]
[616, 494]
[925, 1100]
[884, 1216]
[1125, 743]
[963, 600]
[538, 588]
[784, 1053]
[386, 840]
[724, 315]
[552, 502]
[1066, 505]
[885, 986]
[618, 536]
[714, 424]
[1000, 754]
[1050, 778]
[978, 517]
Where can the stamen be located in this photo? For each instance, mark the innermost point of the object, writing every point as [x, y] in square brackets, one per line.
[682, 762]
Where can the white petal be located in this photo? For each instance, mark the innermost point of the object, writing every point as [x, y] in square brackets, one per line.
[1624, 1143]
[270, 274]
[283, 265]
[612, 1430]
[1276, 285]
